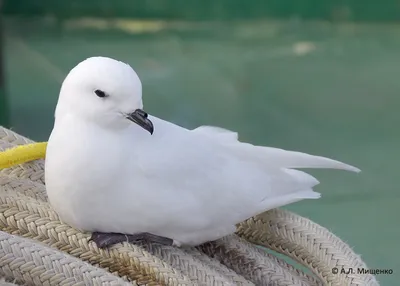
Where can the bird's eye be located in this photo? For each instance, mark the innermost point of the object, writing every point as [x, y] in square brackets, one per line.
[100, 93]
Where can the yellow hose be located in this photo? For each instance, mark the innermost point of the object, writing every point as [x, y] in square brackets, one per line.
[22, 154]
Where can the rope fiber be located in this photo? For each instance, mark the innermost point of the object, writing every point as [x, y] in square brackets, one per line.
[36, 248]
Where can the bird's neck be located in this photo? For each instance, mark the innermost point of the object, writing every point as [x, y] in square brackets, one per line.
[83, 134]
[81, 144]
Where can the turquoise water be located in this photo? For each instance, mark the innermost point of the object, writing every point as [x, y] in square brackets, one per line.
[328, 90]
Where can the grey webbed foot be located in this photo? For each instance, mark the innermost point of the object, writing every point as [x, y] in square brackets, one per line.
[104, 240]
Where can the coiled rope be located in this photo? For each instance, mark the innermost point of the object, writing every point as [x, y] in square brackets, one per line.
[36, 248]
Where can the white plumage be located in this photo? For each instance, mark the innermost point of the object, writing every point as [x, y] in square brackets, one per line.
[105, 173]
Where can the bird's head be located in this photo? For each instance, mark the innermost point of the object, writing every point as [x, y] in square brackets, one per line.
[104, 91]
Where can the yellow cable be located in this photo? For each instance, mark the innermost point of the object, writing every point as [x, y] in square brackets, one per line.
[22, 154]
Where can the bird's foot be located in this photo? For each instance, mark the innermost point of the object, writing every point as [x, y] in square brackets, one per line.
[104, 240]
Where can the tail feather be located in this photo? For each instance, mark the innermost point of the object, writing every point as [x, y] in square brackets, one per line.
[299, 189]
[292, 159]
[274, 156]
[286, 199]
[302, 179]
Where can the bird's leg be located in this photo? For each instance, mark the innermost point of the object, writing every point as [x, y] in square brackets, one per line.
[104, 240]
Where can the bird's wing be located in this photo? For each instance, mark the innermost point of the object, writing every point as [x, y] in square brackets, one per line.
[207, 182]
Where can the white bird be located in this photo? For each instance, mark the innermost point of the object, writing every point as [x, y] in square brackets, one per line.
[115, 171]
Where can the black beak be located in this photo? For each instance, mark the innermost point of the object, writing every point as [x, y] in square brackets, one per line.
[140, 118]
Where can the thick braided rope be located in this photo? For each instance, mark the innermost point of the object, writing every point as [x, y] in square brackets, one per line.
[4, 282]
[253, 229]
[28, 217]
[200, 268]
[256, 264]
[307, 243]
[24, 211]
[38, 264]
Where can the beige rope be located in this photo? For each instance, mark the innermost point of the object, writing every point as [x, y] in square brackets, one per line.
[4, 282]
[26, 216]
[38, 264]
[33, 217]
[255, 265]
[308, 244]
[24, 211]
[216, 275]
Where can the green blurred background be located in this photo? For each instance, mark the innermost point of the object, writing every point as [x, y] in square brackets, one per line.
[318, 76]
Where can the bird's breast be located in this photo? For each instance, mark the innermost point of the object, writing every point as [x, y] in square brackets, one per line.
[81, 173]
